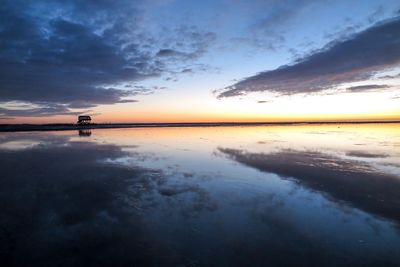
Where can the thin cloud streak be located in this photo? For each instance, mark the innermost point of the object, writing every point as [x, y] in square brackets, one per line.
[366, 88]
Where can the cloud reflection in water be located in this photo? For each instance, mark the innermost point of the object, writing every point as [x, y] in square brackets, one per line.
[62, 203]
[344, 180]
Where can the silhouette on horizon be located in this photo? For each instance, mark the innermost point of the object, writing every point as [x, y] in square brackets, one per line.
[82, 120]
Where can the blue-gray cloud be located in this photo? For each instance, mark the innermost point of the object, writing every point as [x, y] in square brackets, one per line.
[80, 54]
[57, 59]
[355, 58]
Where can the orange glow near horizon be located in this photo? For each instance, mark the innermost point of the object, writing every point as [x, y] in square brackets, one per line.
[164, 108]
[181, 118]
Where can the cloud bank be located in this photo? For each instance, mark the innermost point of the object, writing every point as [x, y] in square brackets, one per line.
[355, 58]
[80, 54]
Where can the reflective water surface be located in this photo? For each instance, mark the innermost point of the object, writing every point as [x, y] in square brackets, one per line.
[304, 195]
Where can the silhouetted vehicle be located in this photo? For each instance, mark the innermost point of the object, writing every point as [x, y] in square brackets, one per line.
[84, 120]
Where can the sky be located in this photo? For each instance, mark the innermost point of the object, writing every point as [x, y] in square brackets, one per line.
[199, 61]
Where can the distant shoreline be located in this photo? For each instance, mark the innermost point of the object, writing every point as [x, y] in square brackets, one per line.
[66, 127]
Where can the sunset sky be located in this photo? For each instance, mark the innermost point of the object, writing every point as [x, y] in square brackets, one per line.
[199, 61]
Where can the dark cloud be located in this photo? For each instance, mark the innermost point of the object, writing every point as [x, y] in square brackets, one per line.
[352, 59]
[366, 88]
[354, 182]
[82, 53]
[263, 101]
[168, 53]
[128, 101]
[187, 71]
[363, 154]
[61, 61]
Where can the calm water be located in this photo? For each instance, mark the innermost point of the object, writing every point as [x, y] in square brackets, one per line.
[219, 196]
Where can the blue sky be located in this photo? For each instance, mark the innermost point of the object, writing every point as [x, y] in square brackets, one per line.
[198, 60]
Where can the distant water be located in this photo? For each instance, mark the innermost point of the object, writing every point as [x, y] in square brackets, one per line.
[316, 195]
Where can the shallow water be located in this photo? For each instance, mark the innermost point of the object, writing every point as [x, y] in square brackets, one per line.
[305, 195]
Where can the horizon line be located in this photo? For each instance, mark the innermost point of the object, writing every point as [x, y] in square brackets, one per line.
[73, 126]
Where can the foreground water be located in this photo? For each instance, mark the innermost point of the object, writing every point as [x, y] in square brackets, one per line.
[316, 195]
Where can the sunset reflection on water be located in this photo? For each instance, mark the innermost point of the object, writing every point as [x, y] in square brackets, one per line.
[325, 195]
